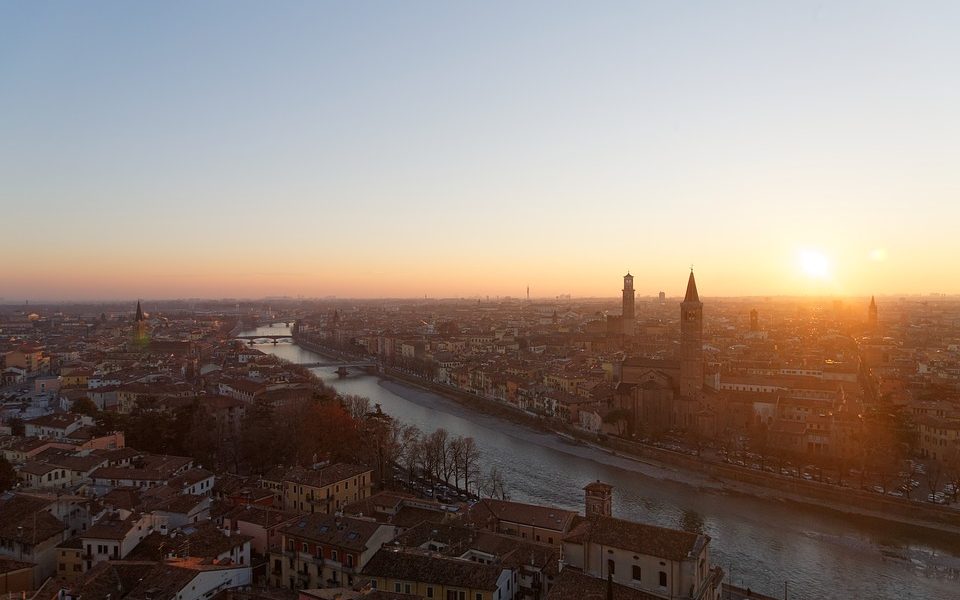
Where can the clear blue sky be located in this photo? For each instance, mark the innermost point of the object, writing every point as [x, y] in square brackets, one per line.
[401, 148]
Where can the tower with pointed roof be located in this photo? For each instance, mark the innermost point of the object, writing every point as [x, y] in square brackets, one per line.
[140, 325]
[691, 342]
[872, 320]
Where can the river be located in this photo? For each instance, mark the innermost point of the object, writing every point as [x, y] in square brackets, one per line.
[761, 543]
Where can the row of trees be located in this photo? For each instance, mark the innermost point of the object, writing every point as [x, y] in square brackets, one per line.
[438, 456]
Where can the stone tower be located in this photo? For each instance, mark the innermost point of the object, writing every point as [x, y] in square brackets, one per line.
[754, 320]
[872, 321]
[628, 304]
[140, 333]
[598, 498]
[691, 342]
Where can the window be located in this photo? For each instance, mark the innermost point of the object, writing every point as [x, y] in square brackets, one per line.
[406, 588]
[429, 592]
[479, 596]
[636, 573]
[333, 554]
[611, 567]
[396, 587]
[663, 579]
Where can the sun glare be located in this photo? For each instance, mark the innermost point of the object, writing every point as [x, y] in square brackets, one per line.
[814, 264]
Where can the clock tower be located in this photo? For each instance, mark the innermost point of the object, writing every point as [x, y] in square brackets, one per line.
[691, 342]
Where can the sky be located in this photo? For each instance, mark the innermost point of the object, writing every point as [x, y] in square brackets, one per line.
[452, 149]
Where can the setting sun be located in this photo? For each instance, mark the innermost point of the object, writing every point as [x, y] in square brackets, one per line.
[814, 264]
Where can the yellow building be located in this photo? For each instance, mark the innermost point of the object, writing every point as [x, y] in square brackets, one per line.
[939, 438]
[326, 489]
[30, 358]
[70, 564]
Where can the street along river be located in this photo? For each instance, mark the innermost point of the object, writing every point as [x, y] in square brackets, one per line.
[760, 543]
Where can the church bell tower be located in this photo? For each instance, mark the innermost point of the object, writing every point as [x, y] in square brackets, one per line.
[872, 320]
[141, 334]
[691, 342]
[629, 299]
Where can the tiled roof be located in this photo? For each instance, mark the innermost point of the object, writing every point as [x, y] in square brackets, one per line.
[434, 569]
[325, 475]
[201, 541]
[110, 528]
[545, 517]
[344, 532]
[641, 538]
[24, 517]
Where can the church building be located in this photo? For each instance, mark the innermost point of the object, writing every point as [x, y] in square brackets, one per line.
[664, 394]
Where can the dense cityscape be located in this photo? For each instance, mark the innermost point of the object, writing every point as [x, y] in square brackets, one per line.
[488, 300]
[169, 450]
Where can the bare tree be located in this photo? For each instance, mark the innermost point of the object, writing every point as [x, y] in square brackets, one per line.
[934, 473]
[492, 485]
[456, 459]
[436, 450]
[469, 462]
[411, 449]
[357, 406]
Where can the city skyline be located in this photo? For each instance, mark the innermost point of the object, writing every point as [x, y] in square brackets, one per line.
[397, 151]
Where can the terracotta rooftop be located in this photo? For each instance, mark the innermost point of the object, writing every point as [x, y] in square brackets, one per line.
[419, 567]
[545, 517]
[641, 538]
[324, 476]
[25, 517]
[343, 532]
[201, 541]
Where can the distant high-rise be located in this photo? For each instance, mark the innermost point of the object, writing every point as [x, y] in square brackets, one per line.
[872, 320]
[663, 298]
[691, 342]
[754, 320]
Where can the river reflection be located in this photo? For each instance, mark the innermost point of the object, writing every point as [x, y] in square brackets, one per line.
[759, 542]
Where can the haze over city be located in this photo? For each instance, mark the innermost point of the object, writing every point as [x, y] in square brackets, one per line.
[452, 150]
[433, 300]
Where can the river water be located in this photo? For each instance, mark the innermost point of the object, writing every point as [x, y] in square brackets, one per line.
[761, 543]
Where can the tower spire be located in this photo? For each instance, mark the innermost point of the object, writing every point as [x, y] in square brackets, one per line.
[139, 318]
[691, 295]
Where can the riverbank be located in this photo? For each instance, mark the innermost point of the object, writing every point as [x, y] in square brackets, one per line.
[682, 468]
[719, 477]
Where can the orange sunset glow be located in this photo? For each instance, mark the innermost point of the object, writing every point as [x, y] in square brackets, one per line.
[459, 166]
